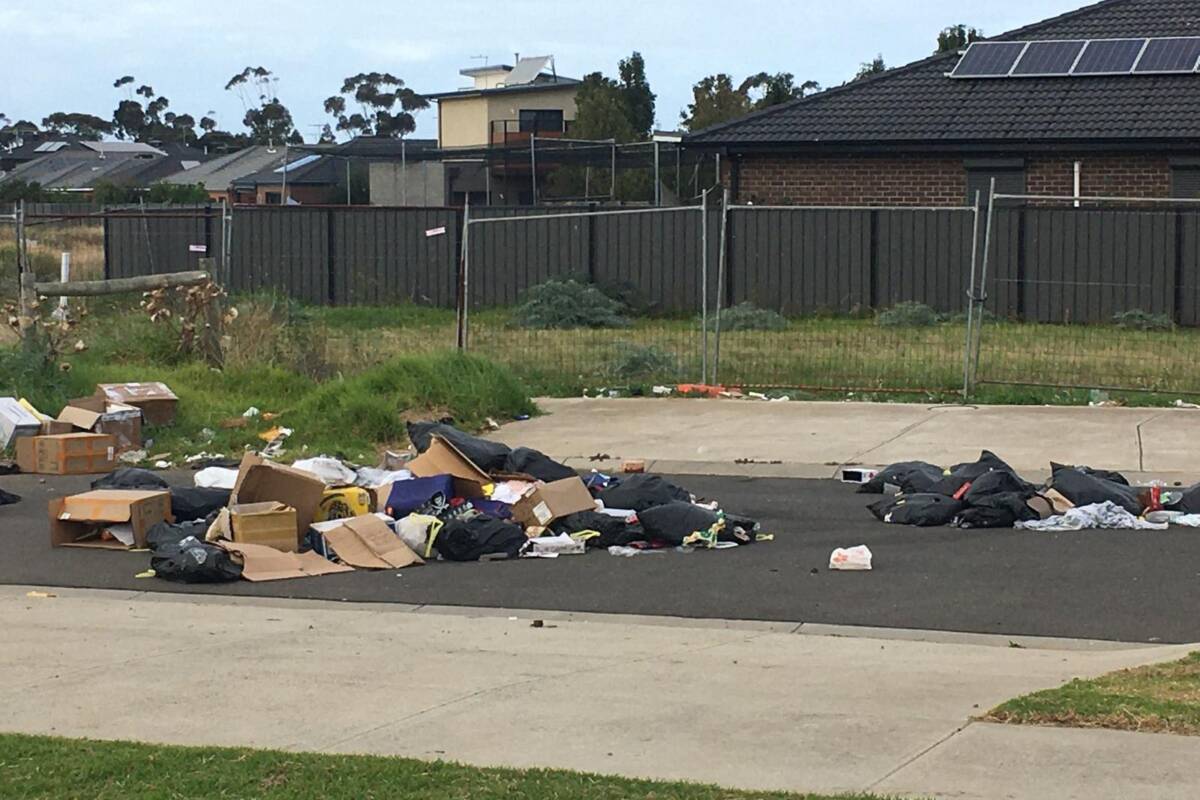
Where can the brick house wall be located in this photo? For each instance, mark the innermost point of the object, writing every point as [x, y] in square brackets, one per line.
[917, 180]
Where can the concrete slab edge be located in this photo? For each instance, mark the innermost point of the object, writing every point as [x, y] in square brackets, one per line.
[15, 592]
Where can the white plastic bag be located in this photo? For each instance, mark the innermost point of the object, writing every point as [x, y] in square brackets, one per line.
[216, 478]
[857, 559]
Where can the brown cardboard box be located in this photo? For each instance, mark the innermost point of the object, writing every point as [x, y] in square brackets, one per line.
[156, 400]
[79, 520]
[550, 501]
[443, 458]
[67, 454]
[271, 523]
[259, 481]
[98, 415]
[261, 563]
[367, 543]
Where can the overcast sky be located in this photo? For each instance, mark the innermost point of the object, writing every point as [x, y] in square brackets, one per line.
[63, 56]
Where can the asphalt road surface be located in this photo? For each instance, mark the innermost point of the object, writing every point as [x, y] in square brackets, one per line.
[1115, 585]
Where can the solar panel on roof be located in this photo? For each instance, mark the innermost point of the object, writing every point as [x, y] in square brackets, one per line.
[989, 59]
[1049, 58]
[1170, 55]
[1111, 56]
[526, 70]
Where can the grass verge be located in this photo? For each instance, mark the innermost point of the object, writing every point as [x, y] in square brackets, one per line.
[1157, 699]
[73, 769]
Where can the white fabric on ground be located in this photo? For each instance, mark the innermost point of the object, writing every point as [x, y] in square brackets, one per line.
[216, 478]
[1100, 516]
[330, 470]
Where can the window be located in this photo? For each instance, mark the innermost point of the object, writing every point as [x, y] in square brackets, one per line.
[541, 121]
[1008, 172]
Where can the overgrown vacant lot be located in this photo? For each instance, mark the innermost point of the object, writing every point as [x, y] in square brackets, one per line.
[1157, 699]
[66, 769]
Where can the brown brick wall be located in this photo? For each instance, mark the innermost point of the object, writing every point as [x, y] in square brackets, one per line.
[934, 180]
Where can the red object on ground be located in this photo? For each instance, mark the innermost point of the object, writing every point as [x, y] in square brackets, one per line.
[702, 389]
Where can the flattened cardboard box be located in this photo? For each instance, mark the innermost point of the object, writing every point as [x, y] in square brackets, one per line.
[271, 523]
[16, 421]
[550, 501]
[67, 454]
[98, 415]
[443, 458]
[156, 400]
[259, 481]
[79, 520]
[261, 563]
[368, 543]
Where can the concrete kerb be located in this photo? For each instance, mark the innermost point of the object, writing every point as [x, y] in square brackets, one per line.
[13, 593]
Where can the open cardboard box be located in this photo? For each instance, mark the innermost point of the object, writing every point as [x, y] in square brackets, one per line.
[81, 519]
[547, 502]
[261, 481]
[67, 454]
[443, 458]
[156, 400]
[98, 415]
[270, 523]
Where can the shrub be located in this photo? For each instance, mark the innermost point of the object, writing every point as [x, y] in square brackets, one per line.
[1139, 320]
[633, 361]
[562, 305]
[908, 315]
[748, 317]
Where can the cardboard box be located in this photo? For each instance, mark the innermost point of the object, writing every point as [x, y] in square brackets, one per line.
[98, 415]
[443, 458]
[16, 421]
[80, 520]
[50, 426]
[368, 543]
[156, 400]
[261, 563]
[260, 481]
[550, 501]
[343, 502]
[272, 524]
[67, 454]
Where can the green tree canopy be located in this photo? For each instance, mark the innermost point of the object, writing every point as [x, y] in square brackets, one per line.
[956, 37]
[715, 99]
[268, 120]
[869, 68]
[385, 105]
[85, 126]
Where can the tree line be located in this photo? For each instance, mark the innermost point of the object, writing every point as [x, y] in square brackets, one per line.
[380, 104]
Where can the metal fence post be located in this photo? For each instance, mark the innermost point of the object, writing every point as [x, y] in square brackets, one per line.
[966, 392]
[722, 259]
[983, 275]
[704, 286]
[464, 284]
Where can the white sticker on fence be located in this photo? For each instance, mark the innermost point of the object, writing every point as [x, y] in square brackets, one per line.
[435, 232]
[197, 248]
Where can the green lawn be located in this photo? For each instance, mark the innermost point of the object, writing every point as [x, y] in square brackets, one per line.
[69, 769]
[1158, 699]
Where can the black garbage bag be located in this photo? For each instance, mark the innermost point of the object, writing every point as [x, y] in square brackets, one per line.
[130, 478]
[188, 503]
[1106, 474]
[1000, 510]
[194, 561]
[471, 539]
[614, 532]
[922, 510]
[486, 455]
[998, 482]
[962, 474]
[528, 461]
[640, 492]
[1190, 504]
[1083, 489]
[674, 522]
[911, 476]
[166, 534]
[8, 498]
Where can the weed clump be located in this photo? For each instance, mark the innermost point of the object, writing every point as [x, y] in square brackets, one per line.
[567, 304]
[748, 317]
[1139, 320]
[908, 315]
[632, 361]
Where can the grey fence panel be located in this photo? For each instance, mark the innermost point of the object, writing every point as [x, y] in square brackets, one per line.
[282, 250]
[509, 258]
[657, 257]
[154, 241]
[1187, 271]
[922, 256]
[389, 255]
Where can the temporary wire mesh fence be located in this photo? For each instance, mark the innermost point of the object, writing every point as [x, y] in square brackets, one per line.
[1091, 293]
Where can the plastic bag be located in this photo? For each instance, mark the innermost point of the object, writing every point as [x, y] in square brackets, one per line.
[7, 498]
[194, 561]
[415, 531]
[527, 461]
[216, 478]
[130, 478]
[195, 503]
[640, 492]
[486, 455]
[852, 559]
[471, 539]
[910, 476]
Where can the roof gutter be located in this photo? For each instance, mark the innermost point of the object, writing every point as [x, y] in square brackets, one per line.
[734, 149]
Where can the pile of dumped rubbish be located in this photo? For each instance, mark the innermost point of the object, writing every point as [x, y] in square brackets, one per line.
[988, 493]
[457, 497]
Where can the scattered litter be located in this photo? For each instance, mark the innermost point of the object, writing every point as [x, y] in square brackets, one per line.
[8, 498]
[853, 559]
[633, 467]
[252, 411]
[552, 547]
[80, 346]
[277, 432]
[537, 623]
[662, 391]
[1183, 404]
[234, 422]
[132, 457]
[149, 573]
[162, 464]
[521, 417]
[1103, 516]
[207, 434]
[269, 416]
[491, 424]
[330, 470]
[41, 595]
[216, 478]
[600, 457]
[630, 552]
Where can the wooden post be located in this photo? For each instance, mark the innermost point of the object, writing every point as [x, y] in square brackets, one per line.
[209, 340]
[27, 314]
